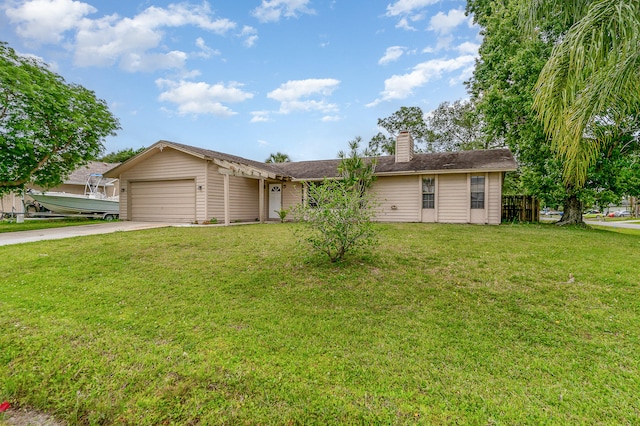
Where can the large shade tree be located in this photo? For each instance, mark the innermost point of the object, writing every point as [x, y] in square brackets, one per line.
[458, 126]
[453, 126]
[406, 118]
[504, 84]
[502, 88]
[588, 93]
[120, 156]
[591, 78]
[48, 127]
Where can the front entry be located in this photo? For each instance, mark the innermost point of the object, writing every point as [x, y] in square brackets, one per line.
[275, 200]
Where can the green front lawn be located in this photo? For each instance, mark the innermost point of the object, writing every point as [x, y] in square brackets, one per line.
[10, 225]
[444, 324]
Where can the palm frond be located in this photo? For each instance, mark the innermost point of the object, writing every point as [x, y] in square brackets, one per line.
[594, 71]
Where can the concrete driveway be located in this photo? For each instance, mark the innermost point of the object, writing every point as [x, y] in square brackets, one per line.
[7, 238]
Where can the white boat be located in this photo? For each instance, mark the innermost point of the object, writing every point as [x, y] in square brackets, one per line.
[93, 201]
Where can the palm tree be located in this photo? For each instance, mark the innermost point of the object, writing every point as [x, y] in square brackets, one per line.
[592, 77]
[278, 157]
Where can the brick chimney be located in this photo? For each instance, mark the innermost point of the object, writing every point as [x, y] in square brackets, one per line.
[404, 147]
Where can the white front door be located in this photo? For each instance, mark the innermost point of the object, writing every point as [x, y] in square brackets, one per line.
[275, 200]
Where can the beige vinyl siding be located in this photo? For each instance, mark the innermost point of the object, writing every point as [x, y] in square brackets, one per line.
[291, 194]
[168, 164]
[171, 201]
[215, 194]
[244, 198]
[399, 198]
[453, 198]
[495, 198]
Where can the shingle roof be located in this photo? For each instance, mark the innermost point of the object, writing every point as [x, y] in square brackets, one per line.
[227, 157]
[80, 175]
[493, 159]
[440, 162]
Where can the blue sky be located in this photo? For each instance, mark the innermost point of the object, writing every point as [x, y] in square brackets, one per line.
[251, 77]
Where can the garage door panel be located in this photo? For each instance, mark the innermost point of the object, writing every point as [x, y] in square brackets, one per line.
[163, 201]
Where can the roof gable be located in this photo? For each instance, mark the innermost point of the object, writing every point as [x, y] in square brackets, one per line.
[227, 161]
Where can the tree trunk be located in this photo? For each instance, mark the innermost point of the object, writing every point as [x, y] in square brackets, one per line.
[572, 210]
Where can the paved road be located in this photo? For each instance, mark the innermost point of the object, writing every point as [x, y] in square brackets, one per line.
[629, 224]
[7, 238]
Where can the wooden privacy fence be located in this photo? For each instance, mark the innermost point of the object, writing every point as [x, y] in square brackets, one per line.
[520, 208]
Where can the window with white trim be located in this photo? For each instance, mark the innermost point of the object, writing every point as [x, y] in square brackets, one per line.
[477, 192]
[428, 193]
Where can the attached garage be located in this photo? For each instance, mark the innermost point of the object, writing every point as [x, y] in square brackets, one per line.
[175, 183]
[163, 200]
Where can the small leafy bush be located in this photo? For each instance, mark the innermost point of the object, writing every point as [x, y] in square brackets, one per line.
[338, 217]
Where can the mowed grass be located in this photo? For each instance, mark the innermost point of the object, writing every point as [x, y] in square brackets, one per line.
[10, 225]
[443, 324]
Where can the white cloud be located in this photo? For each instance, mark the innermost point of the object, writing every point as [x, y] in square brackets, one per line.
[250, 34]
[406, 7]
[444, 23]
[113, 39]
[202, 98]
[392, 54]
[273, 10]
[134, 62]
[260, 116]
[444, 42]
[403, 24]
[47, 20]
[330, 118]
[178, 15]
[402, 86]
[293, 95]
[205, 51]
[465, 75]
[468, 48]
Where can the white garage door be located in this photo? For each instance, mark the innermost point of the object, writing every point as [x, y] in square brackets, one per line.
[163, 201]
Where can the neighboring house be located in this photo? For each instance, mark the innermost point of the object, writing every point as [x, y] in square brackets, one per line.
[74, 184]
[172, 182]
[77, 180]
